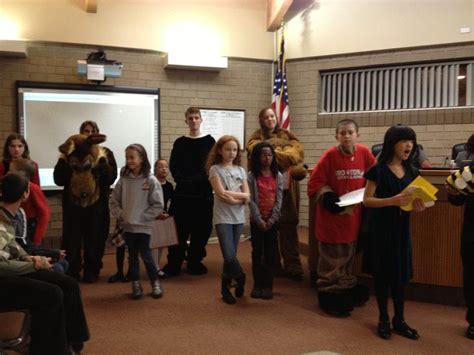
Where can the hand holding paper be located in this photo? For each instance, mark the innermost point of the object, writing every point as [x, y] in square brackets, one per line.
[422, 189]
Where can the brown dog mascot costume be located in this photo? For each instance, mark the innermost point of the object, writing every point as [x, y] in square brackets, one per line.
[86, 170]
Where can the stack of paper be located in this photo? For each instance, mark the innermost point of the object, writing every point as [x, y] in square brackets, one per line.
[423, 189]
[351, 198]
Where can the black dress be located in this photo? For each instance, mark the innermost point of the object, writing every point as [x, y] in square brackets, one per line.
[388, 253]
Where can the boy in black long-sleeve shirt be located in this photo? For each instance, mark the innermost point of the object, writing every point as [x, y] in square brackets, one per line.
[193, 201]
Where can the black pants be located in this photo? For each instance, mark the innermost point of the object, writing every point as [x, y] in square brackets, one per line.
[54, 301]
[467, 255]
[264, 255]
[85, 228]
[194, 222]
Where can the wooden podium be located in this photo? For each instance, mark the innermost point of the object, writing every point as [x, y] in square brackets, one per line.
[436, 236]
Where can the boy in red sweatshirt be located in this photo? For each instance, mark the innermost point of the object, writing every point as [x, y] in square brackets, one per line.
[339, 170]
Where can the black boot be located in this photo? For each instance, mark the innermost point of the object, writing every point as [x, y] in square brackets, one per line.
[267, 289]
[118, 277]
[225, 289]
[360, 295]
[240, 287]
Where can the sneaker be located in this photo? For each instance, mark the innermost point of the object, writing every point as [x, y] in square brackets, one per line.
[156, 290]
[137, 290]
[161, 274]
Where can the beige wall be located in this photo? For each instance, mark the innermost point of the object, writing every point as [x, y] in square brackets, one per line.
[245, 85]
[333, 26]
[235, 28]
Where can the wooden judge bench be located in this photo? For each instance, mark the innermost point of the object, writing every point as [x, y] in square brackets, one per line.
[436, 237]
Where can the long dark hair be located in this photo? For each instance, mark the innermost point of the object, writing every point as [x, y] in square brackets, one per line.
[255, 165]
[10, 138]
[261, 116]
[394, 135]
[146, 166]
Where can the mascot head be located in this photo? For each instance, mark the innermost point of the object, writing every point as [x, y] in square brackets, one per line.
[83, 154]
[462, 180]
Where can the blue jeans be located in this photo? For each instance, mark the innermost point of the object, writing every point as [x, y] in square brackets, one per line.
[60, 266]
[139, 243]
[229, 237]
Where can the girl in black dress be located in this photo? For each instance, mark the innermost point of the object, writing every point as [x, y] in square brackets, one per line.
[389, 255]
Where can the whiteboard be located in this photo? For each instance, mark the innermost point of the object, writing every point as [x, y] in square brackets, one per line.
[48, 116]
[219, 122]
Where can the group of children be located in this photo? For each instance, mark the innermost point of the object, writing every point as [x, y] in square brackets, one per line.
[140, 197]
[136, 202]
[387, 253]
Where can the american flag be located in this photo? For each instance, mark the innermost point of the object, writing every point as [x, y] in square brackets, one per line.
[280, 90]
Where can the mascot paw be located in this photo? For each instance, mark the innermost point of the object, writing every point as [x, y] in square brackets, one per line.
[462, 180]
[360, 295]
[298, 172]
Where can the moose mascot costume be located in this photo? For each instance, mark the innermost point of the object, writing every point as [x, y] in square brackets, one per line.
[86, 170]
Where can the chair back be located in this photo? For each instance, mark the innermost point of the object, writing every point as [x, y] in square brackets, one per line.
[457, 148]
[15, 335]
[376, 149]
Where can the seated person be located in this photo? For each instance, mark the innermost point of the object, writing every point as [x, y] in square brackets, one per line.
[58, 323]
[29, 231]
[466, 157]
[420, 160]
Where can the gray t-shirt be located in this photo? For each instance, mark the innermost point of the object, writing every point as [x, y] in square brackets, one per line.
[231, 179]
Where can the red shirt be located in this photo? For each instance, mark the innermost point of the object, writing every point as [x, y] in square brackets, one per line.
[342, 173]
[36, 207]
[267, 189]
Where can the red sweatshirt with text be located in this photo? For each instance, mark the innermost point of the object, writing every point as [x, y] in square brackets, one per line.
[342, 173]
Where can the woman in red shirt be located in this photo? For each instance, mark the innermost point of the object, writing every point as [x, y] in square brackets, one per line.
[15, 148]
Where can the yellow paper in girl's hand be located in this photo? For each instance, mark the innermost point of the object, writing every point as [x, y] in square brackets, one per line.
[422, 189]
